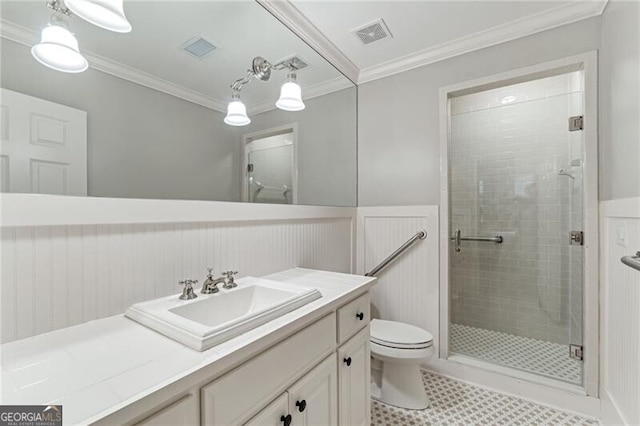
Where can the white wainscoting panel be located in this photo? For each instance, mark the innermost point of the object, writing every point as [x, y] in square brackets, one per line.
[620, 298]
[407, 290]
[58, 276]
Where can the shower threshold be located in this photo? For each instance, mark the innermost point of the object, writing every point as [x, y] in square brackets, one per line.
[517, 356]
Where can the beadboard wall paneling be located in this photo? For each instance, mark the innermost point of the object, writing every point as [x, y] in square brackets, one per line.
[58, 276]
[621, 311]
[406, 290]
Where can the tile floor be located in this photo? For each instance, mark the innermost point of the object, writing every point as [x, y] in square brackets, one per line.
[458, 403]
[536, 356]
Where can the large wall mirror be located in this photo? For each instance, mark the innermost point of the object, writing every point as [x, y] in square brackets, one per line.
[147, 118]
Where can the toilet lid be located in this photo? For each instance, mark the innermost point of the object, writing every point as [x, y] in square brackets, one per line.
[399, 335]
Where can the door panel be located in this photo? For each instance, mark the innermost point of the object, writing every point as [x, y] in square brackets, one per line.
[44, 146]
[313, 400]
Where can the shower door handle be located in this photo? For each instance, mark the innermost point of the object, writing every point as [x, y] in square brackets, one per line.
[456, 237]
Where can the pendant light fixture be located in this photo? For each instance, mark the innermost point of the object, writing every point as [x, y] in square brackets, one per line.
[290, 95]
[107, 14]
[290, 92]
[236, 112]
[58, 48]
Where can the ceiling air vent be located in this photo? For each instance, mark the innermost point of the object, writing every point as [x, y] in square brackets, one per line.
[372, 32]
[199, 47]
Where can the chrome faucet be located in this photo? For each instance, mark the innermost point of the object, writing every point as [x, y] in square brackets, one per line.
[229, 282]
[187, 291]
[210, 285]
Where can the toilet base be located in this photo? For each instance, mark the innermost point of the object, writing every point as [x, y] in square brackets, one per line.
[402, 387]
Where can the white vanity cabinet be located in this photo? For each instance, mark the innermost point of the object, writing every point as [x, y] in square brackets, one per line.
[311, 401]
[318, 375]
[238, 395]
[182, 412]
[354, 375]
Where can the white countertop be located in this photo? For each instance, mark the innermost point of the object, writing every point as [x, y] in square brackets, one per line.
[96, 368]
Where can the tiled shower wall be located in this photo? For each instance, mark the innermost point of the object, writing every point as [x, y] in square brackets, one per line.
[58, 276]
[507, 148]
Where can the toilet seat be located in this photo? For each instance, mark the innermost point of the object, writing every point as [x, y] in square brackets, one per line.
[397, 335]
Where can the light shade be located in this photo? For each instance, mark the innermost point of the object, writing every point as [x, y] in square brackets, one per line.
[107, 14]
[58, 49]
[236, 113]
[290, 95]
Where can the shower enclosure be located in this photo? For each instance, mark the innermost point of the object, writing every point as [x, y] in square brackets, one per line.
[516, 158]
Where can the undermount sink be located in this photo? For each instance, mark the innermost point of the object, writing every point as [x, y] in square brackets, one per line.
[209, 320]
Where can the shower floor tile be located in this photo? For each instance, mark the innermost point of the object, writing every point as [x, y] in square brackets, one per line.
[457, 403]
[535, 356]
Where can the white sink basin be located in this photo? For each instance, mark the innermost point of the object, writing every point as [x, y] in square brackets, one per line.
[211, 319]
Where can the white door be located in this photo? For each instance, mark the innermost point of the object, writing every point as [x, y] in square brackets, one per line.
[354, 377]
[313, 400]
[276, 414]
[44, 146]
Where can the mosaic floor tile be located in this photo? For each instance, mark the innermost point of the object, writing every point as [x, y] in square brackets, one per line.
[536, 356]
[458, 403]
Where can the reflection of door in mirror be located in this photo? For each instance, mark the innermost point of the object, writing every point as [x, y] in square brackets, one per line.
[270, 169]
[44, 146]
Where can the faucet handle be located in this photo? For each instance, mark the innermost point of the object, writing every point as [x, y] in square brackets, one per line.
[187, 292]
[210, 272]
[229, 282]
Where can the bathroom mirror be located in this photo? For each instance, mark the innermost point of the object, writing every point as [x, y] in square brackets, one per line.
[152, 105]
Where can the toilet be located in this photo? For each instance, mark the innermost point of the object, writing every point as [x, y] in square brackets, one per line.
[398, 349]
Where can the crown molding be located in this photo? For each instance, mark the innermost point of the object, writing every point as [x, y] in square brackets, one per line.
[25, 36]
[549, 19]
[292, 18]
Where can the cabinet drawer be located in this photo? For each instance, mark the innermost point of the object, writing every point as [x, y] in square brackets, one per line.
[235, 397]
[353, 317]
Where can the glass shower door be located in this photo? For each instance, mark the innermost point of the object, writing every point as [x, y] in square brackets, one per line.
[515, 172]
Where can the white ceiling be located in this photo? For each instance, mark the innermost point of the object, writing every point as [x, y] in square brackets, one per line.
[425, 31]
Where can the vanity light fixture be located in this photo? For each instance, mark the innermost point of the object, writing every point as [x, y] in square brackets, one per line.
[107, 14]
[290, 93]
[236, 111]
[58, 48]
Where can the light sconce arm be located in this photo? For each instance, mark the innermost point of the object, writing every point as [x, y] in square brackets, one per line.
[57, 7]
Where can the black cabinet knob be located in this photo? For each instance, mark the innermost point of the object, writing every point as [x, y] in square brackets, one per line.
[347, 361]
[301, 405]
[360, 316]
[286, 420]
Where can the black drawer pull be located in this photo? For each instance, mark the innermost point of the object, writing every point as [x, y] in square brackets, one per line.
[301, 405]
[286, 419]
[347, 361]
[360, 316]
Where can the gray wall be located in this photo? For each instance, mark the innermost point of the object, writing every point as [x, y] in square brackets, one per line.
[620, 101]
[141, 143]
[398, 127]
[326, 146]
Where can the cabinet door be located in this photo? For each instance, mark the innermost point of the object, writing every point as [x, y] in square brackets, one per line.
[181, 412]
[274, 415]
[313, 400]
[354, 377]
